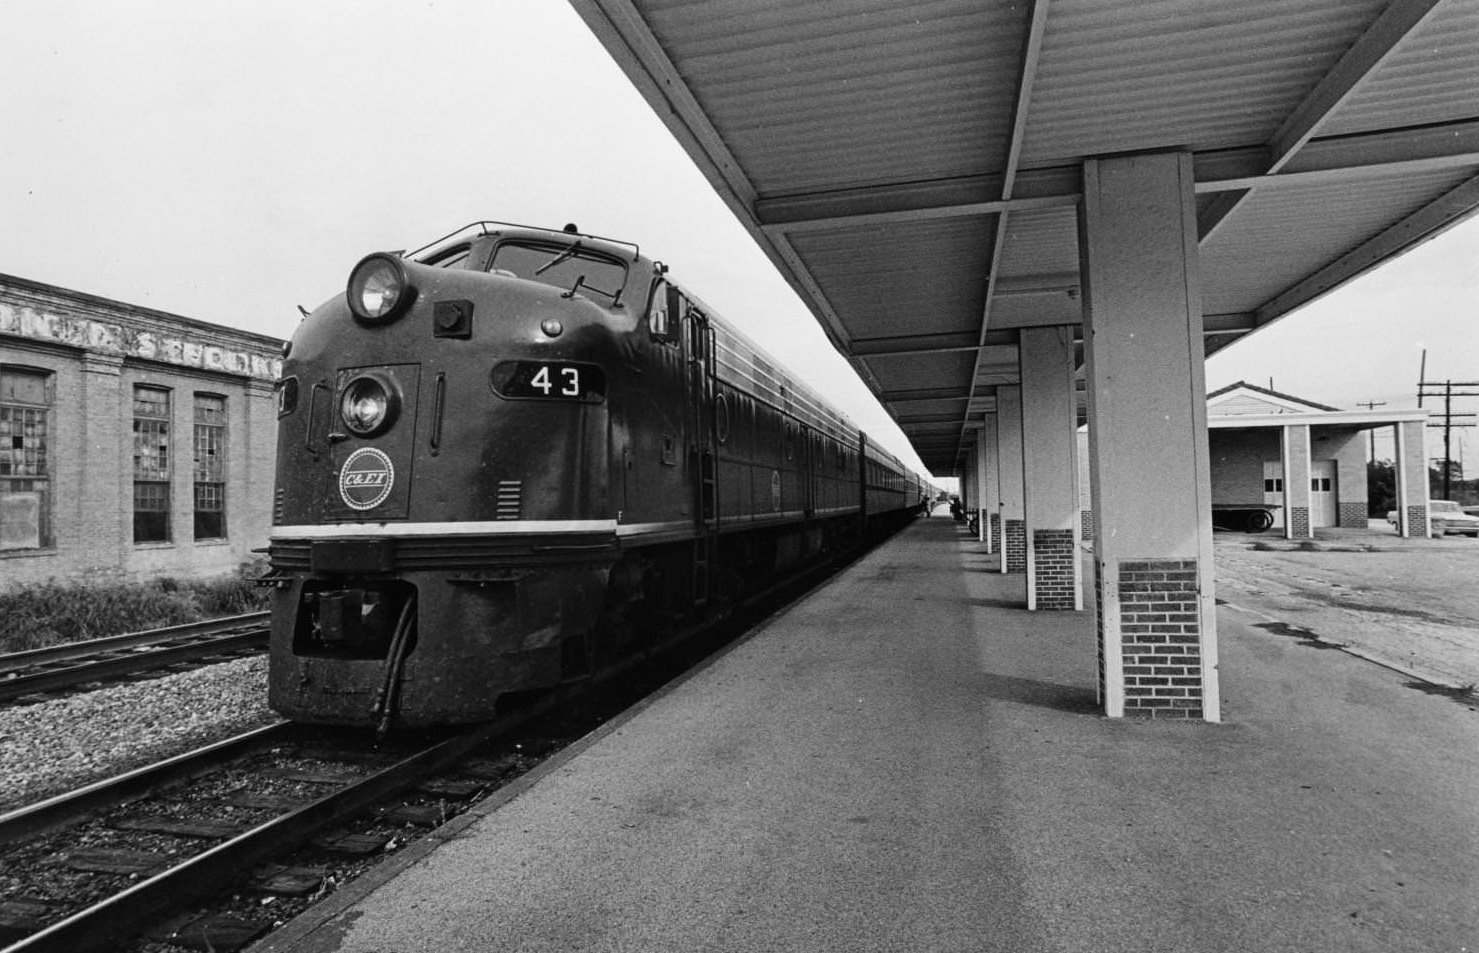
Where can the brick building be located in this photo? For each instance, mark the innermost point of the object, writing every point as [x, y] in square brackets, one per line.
[1261, 441]
[133, 443]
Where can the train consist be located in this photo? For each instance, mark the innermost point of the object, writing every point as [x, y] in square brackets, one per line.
[511, 458]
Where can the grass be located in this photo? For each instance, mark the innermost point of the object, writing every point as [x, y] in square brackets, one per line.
[51, 613]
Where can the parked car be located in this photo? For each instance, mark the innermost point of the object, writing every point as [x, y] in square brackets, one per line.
[1446, 516]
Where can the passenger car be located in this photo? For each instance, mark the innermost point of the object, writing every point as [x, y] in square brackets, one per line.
[1446, 516]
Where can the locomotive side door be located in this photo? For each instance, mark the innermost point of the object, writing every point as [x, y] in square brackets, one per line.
[699, 337]
[811, 470]
[702, 457]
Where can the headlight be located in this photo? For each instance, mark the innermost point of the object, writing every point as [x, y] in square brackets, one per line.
[379, 289]
[368, 405]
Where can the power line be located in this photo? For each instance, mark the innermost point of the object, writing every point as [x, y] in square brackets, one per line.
[1448, 394]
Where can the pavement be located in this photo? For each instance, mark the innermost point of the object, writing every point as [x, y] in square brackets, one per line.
[908, 760]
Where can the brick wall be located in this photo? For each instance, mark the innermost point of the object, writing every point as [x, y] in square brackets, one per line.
[1352, 515]
[1016, 545]
[1299, 521]
[1053, 569]
[1160, 638]
[994, 528]
[95, 351]
[1099, 632]
[1086, 523]
[1417, 518]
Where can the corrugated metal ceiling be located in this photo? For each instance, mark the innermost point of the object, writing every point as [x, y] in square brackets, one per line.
[877, 149]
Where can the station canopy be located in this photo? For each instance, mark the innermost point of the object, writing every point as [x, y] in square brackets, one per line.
[914, 169]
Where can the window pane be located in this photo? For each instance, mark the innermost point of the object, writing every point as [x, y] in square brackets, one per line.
[151, 449]
[151, 465]
[151, 402]
[210, 466]
[25, 464]
[210, 409]
[209, 452]
[151, 512]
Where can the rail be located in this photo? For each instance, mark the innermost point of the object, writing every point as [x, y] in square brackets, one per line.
[64, 666]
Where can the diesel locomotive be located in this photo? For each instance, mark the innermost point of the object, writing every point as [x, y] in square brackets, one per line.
[510, 458]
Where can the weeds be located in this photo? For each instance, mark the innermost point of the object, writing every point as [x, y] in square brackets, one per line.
[50, 613]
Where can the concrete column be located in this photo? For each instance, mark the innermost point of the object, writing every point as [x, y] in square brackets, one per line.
[1050, 465]
[983, 456]
[1009, 473]
[1412, 479]
[1149, 465]
[968, 492]
[1294, 446]
[991, 486]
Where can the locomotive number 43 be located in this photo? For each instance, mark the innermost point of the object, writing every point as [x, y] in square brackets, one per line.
[549, 380]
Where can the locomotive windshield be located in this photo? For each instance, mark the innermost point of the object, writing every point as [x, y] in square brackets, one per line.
[567, 267]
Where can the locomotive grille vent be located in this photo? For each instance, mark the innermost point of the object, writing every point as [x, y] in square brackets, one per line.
[278, 505]
[510, 502]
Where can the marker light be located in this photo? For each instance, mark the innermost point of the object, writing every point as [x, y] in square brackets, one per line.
[551, 327]
[379, 289]
[368, 406]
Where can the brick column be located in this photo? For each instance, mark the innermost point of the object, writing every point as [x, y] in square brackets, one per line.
[1014, 546]
[991, 487]
[1352, 515]
[1150, 471]
[1295, 447]
[1050, 467]
[251, 512]
[1009, 474]
[104, 503]
[981, 457]
[1159, 624]
[1412, 479]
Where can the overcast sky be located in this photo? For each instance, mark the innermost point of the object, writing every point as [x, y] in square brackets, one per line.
[230, 162]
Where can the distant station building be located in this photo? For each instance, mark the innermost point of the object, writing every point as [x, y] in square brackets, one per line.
[1305, 461]
[133, 443]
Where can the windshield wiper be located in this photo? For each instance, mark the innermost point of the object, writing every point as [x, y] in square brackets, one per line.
[565, 255]
[580, 285]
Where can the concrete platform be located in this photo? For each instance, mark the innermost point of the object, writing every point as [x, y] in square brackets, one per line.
[908, 760]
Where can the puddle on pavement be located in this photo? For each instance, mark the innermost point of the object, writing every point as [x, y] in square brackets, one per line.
[1306, 637]
[1464, 696]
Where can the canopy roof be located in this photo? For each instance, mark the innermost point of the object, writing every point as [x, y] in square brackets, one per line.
[914, 169]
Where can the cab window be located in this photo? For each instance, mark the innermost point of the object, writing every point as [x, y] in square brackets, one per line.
[453, 257]
[662, 313]
[570, 268]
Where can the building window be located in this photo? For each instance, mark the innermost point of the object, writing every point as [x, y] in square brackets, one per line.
[151, 465]
[210, 466]
[25, 458]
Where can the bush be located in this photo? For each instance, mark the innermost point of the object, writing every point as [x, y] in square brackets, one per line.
[33, 617]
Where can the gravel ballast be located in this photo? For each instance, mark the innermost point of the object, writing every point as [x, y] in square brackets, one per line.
[53, 746]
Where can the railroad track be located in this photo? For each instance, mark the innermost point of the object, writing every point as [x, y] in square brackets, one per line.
[190, 852]
[89, 869]
[61, 668]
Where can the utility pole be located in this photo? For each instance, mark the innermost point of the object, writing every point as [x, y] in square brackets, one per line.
[1372, 405]
[1448, 394]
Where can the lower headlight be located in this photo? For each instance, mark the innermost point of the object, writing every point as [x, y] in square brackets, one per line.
[379, 289]
[368, 405]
